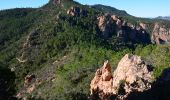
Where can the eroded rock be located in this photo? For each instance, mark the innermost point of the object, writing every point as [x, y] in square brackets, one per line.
[160, 34]
[107, 25]
[131, 75]
[77, 11]
[103, 79]
[112, 25]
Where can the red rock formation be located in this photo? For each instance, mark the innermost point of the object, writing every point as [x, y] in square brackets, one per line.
[132, 70]
[106, 25]
[131, 75]
[110, 25]
[160, 34]
[103, 79]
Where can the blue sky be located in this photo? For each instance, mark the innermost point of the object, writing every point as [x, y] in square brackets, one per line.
[7, 4]
[140, 8]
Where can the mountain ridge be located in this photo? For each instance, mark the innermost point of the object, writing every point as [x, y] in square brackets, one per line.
[163, 17]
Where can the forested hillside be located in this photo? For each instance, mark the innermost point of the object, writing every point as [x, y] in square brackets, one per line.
[52, 52]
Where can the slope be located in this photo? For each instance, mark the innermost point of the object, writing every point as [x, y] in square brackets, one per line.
[62, 51]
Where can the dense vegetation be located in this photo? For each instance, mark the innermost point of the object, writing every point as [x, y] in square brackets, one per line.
[51, 35]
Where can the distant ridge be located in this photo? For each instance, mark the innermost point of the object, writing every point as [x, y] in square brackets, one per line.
[111, 10]
[163, 17]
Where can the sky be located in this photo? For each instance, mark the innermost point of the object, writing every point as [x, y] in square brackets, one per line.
[8, 4]
[139, 8]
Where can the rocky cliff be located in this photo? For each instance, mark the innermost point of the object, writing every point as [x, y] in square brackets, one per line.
[160, 34]
[77, 11]
[112, 25]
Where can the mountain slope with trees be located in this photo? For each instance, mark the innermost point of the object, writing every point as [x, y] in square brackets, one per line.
[50, 54]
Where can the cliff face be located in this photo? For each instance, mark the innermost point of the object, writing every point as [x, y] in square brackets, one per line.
[77, 11]
[112, 25]
[160, 34]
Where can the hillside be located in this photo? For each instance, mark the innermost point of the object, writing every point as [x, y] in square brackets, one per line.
[52, 52]
[163, 17]
[108, 9]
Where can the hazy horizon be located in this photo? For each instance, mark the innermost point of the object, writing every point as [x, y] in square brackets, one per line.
[144, 8]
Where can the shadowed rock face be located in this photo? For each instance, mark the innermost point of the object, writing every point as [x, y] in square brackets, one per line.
[77, 11]
[56, 1]
[160, 34]
[112, 25]
[131, 75]
[106, 25]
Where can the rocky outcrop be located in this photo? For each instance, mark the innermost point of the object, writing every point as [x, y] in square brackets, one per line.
[77, 11]
[112, 25]
[28, 79]
[143, 26]
[74, 11]
[103, 79]
[31, 82]
[106, 25]
[160, 34]
[131, 75]
[56, 2]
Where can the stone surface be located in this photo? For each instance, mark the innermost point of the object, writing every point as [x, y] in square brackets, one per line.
[74, 11]
[143, 26]
[77, 11]
[103, 79]
[112, 25]
[106, 25]
[132, 75]
[160, 34]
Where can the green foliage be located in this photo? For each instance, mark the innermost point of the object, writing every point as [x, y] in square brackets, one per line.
[111, 10]
[158, 56]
